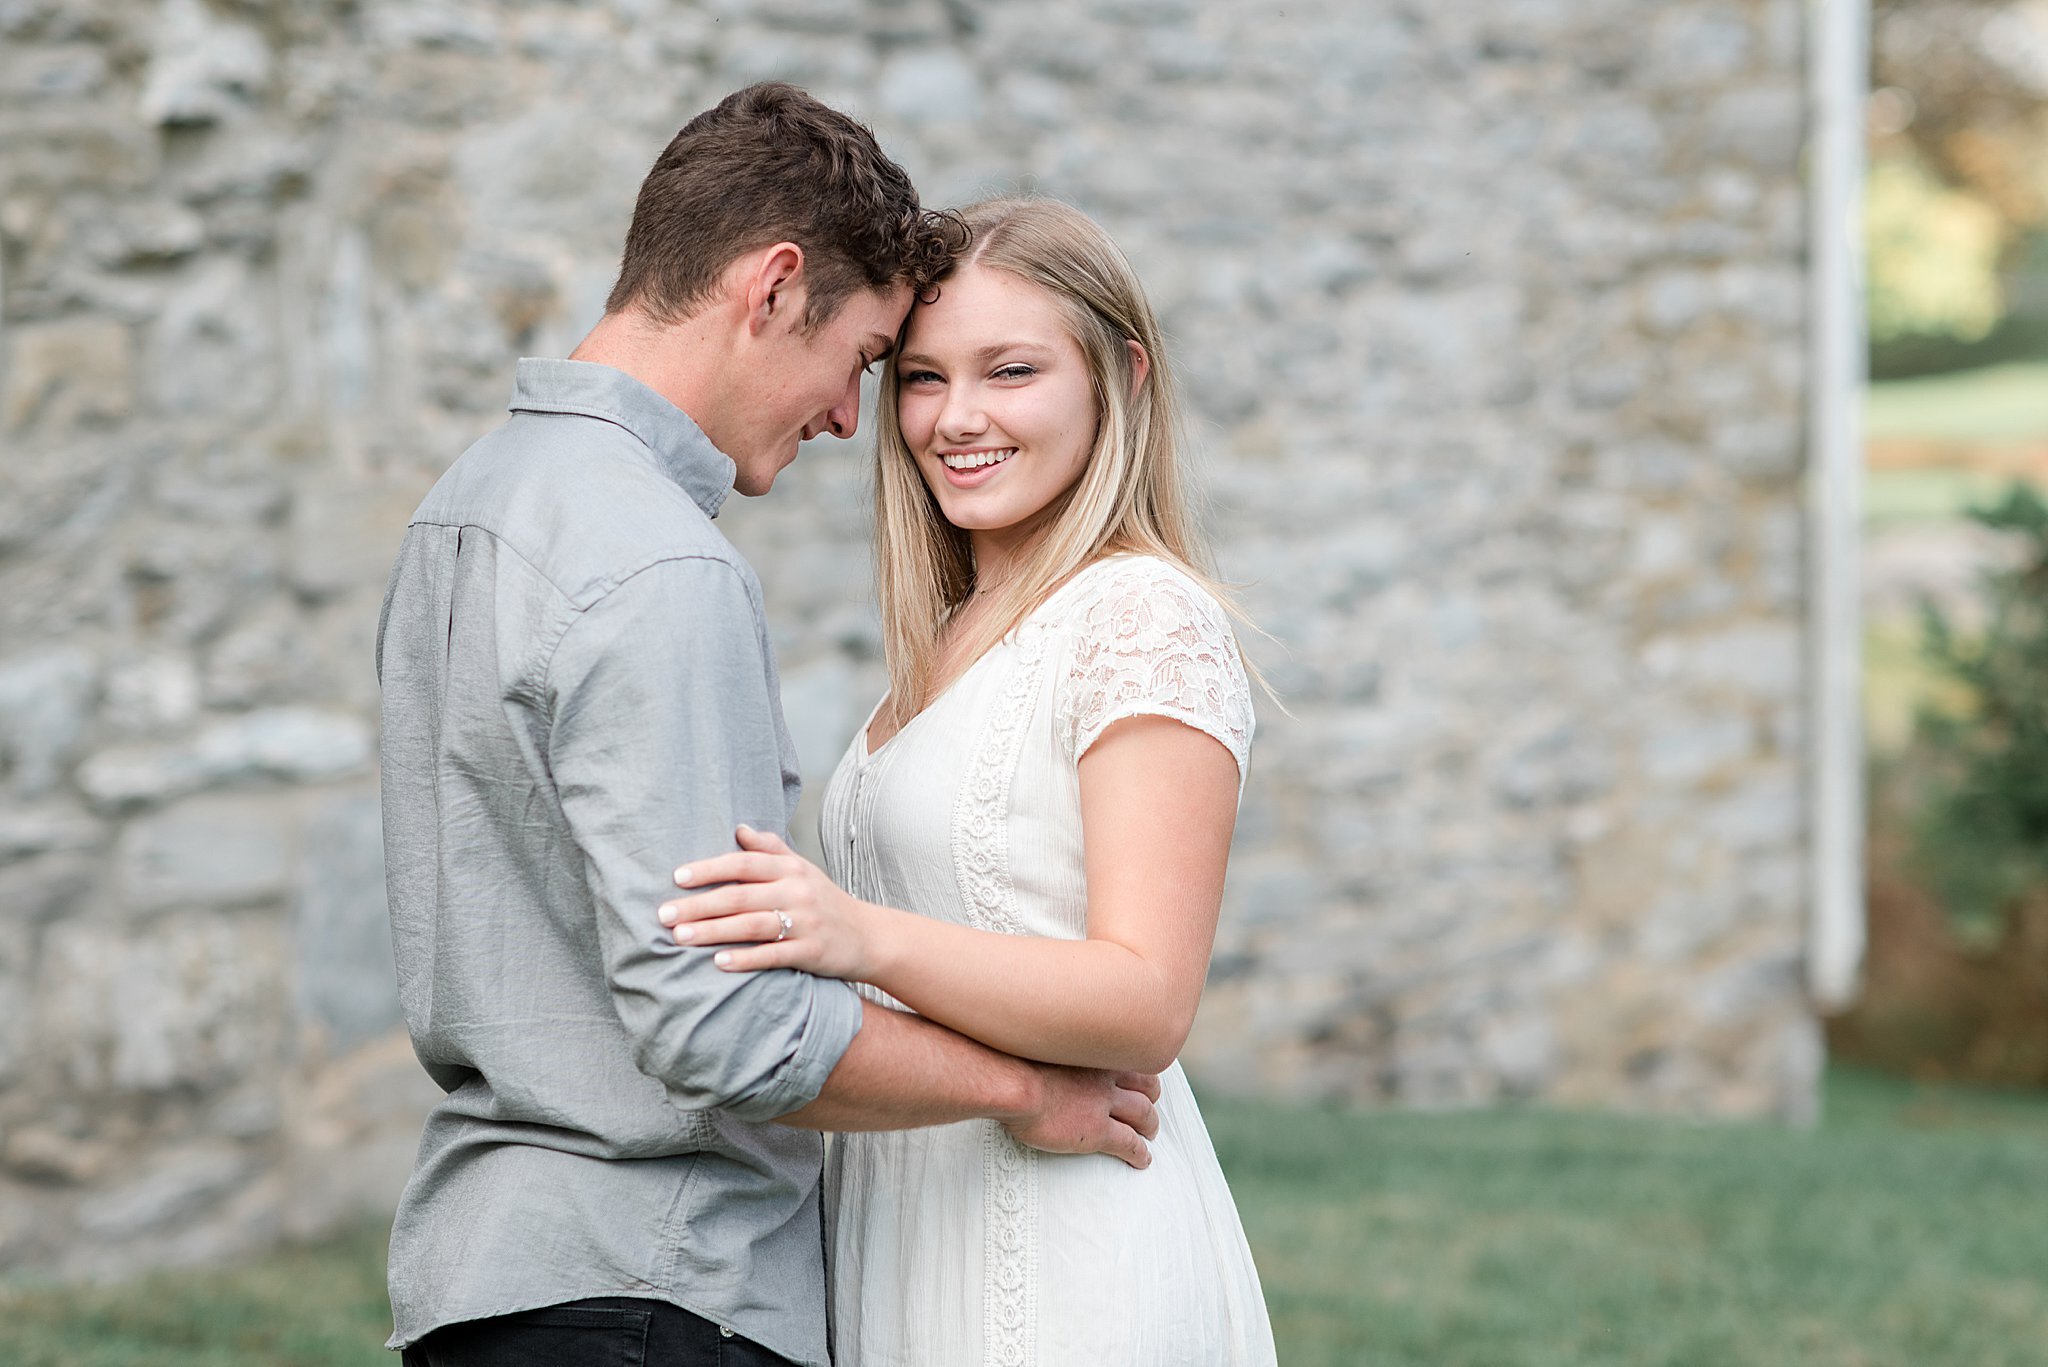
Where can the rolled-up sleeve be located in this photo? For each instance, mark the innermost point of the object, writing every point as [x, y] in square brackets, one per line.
[664, 736]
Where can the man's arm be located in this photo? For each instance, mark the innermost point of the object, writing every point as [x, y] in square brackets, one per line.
[902, 1071]
[664, 738]
[663, 732]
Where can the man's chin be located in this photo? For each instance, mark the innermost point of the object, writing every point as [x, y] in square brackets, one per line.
[755, 482]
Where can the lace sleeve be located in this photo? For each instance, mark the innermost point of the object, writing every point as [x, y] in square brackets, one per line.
[1152, 643]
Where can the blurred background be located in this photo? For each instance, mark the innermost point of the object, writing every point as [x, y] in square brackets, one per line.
[1525, 341]
[1956, 541]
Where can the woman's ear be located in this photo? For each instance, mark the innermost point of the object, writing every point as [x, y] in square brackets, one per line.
[1141, 365]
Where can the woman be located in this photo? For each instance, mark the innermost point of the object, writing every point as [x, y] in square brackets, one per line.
[1031, 830]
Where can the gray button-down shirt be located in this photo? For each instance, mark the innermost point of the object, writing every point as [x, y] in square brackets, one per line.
[579, 693]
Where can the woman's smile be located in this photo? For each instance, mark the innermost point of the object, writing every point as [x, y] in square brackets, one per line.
[967, 469]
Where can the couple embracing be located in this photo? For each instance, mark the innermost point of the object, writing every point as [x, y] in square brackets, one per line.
[644, 1009]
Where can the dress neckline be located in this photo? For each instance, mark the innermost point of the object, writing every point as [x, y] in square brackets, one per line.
[865, 753]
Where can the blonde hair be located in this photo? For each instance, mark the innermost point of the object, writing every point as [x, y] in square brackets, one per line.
[1129, 499]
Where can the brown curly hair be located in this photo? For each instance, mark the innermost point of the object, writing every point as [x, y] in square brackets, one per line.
[770, 164]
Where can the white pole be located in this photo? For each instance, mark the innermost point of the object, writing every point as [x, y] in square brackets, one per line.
[1838, 46]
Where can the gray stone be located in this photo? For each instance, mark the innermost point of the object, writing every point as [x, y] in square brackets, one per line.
[148, 234]
[344, 535]
[41, 1154]
[1270, 889]
[51, 886]
[253, 1110]
[1762, 659]
[294, 744]
[26, 831]
[173, 1004]
[209, 349]
[203, 68]
[62, 71]
[1676, 300]
[118, 779]
[930, 87]
[1618, 143]
[437, 24]
[219, 850]
[1763, 811]
[267, 657]
[1771, 447]
[1560, 765]
[341, 933]
[169, 1190]
[821, 707]
[1036, 101]
[820, 16]
[17, 964]
[1701, 46]
[1760, 127]
[150, 694]
[72, 371]
[1521, 1051]
[1688, 749]
[45, 700]
[551, 170]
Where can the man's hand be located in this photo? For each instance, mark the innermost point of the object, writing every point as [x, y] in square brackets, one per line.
[1091, 1110]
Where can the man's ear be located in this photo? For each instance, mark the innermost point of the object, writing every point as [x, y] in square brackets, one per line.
[774, 282]
[1141, 364]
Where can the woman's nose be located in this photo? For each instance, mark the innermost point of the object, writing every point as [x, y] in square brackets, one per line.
[962, 416]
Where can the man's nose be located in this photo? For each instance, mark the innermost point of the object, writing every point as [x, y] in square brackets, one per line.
[844, 419]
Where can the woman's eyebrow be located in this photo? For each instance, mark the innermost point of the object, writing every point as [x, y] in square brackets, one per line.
[986, 353]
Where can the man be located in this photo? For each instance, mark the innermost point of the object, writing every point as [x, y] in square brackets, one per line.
[578, 691]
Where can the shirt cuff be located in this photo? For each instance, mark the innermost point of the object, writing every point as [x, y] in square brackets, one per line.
[834, 1020]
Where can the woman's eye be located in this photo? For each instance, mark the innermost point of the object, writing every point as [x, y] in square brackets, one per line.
[918, 377]
[1019, 371]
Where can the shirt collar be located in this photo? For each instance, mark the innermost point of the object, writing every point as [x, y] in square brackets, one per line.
[680, 447]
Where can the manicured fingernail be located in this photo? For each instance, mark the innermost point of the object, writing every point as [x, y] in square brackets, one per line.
[722, 959]
[745, 829]
[685, 934]
[685, 876]
[667, 912]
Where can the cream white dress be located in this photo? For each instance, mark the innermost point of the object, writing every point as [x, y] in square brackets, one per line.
[955, 1246]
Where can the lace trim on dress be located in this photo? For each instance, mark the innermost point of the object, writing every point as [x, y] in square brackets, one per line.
[1150, 641]
[981, 864]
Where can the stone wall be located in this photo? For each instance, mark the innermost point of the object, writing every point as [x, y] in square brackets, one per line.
[1492, 318]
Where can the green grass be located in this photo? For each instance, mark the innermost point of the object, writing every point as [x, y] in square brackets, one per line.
[1930, 493]
[302, 1307]
[2000, 403]
[1906, 1229]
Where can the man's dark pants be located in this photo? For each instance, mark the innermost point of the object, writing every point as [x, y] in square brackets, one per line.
[611, 1331]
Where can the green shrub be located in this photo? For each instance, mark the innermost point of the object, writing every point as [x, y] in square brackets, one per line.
[1932, 253]
[1982, 836]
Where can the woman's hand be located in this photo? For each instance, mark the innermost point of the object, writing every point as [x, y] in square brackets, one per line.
[780, 906]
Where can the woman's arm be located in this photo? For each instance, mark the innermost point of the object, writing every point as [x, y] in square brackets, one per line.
[1158, 804]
